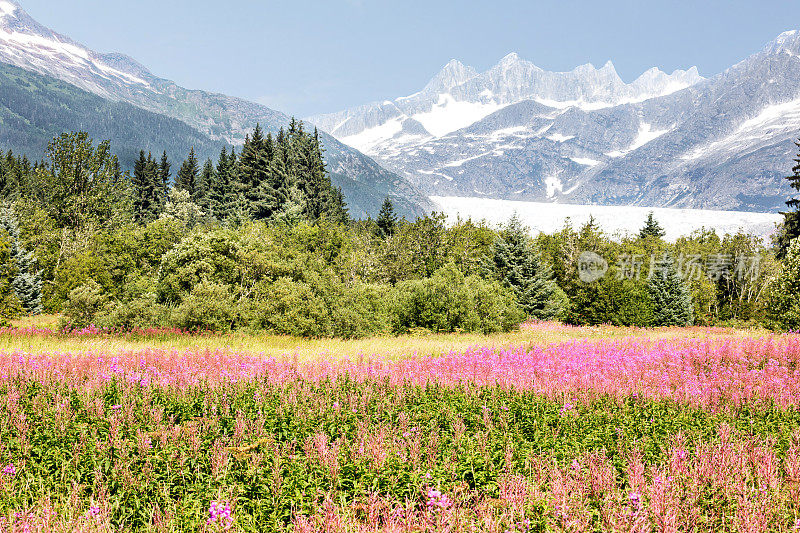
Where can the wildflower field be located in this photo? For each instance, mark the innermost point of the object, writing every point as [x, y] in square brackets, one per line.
[550, 428]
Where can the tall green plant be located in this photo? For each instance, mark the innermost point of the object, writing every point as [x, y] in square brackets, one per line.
[671, 298]
[27, 281]
[518, 265]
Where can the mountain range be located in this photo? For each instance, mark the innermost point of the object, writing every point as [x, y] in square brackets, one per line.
[59, 84]
[518, 132]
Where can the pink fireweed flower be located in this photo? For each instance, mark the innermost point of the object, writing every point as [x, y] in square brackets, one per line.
[116, 407]
[10, 469]
[437, 500]
[93, 512]
[220, 513]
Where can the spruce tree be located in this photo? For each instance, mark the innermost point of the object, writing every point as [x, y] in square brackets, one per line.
[139, 184]
[27, 283]
[218, 203]
[164, 176]
[670, 295]
[146, 189]
[790, 229]
[4, 175]
[387, 220]
[154, 193]
[188, 175]
[208, 178]
[518, 265]
[651, 228]
[261, 199]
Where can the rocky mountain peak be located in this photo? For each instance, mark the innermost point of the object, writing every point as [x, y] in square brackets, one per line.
[453, 74]
[787, 42]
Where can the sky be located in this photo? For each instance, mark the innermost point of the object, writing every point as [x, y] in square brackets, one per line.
[305, 57]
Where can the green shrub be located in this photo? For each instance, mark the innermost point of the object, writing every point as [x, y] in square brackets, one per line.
[10, 306]
[361, 310]
[210, 306]
[784, 311]
[290, 307]
[84, 304]
[448, 301]
[140, 313]
[75, 272]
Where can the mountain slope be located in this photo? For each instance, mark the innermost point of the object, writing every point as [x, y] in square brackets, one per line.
[36, 108]
[27, 44]
[586, 137]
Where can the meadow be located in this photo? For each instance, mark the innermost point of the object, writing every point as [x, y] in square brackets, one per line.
[548, 428]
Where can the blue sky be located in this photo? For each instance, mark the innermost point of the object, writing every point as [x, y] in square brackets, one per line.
[311, 56]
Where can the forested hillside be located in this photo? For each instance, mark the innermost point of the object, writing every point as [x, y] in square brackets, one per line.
[35, 108]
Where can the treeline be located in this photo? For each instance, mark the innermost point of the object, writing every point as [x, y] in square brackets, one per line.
[280, 179]
[261, 241]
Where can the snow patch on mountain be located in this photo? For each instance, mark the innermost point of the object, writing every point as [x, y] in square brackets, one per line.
[368, 139]
[557, 137]
[585, 161]
[7, 9]
[449, 115]
[774, 120]
[645, 135]
[552, 183]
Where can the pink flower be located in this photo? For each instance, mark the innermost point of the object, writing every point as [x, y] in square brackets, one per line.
[437, 500]
[10, 469]
[220, 513]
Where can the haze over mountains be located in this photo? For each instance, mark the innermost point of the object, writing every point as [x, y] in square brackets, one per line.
[517, 132]
[213, 120]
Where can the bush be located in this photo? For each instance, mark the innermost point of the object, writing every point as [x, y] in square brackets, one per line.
[141, 313]
[290, 307]
[362, 310]
[210, 306]
[784, 294]
[448, 301]
[10, 306]
[76, 272]
[84, 304]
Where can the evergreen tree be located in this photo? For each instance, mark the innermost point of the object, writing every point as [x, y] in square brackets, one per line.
[651, 228]
[154, 193]
[27, 283]
[219, 199]
[670, 295]
[517, 264]
[790, 229]
[10, 176]
[208, 178]
[387, 220]
[146, 189]
[262, 196]
[164, 176]
[188, 175]
[320, 198]
[4, 175]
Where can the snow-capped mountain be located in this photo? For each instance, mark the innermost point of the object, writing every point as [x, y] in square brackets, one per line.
[517, 132]
[29, 45]
[459, 96]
